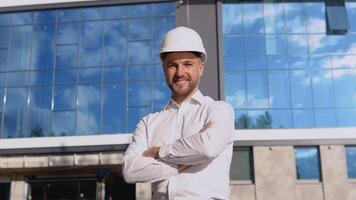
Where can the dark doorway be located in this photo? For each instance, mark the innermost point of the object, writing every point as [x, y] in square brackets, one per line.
[5, 191]
[62, 189]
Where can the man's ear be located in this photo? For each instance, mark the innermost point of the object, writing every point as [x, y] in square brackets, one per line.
[201, 69]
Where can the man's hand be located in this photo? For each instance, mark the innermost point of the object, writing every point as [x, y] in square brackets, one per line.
[206, 126]
[151, 152]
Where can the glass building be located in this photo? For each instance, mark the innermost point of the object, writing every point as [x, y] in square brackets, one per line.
[76, 77]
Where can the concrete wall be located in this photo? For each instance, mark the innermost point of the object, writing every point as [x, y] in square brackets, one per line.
[275, 176]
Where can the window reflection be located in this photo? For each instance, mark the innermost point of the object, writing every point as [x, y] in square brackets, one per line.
[66, 56]
[322, 89]
[253, 18]
[325, 118]
[42, 46]
[64, 97]
[39, 111]
[307, 163]
[3, 59]
[88, 115]
[257, 90]
[19, 47]
[47, 16]
[114, 108]
[68, 33]
[15, 113]
[63, 123]
[278, 93]
[91, 44]
[4, 35]
[344, 91]
[55, 52]
[303, 118]
[301, 89]
[139, 93]
[351, 161]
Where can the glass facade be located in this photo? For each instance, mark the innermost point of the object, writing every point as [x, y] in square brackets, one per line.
[307, 163]
[351, 161]
[283, 70]
[80, 71]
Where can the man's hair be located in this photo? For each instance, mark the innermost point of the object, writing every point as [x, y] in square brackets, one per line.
[197, 54]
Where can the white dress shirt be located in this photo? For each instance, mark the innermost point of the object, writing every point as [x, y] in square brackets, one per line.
[176, 129]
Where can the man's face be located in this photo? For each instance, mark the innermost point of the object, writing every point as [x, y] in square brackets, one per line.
[183, 71]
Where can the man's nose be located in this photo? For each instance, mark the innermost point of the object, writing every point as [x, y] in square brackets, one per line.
[180, 70]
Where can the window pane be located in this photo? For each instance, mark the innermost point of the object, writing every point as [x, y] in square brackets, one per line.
[278, 89]
[257, 90]
[17, 79]
[91, 44]
[235, 89]
[160, 26]
[15, 113]
[115, 43]
[64, 97]
[114, 74]
[307, 163]
[338, 44]
[233, 45]
[68, 33]
[316, 17]
[139, 93]
[67, 15]
[163, 9]
[139, 10]
[351, 161]
[63, 123]
[88, 116]
[4, 35]
[318, 44]
[3, 59]
[297, 44]
[241, 164]
[139, 29]
[343, 88]
[114, 112]
[46, 16]
[351, 12]
[281, 118]
[256, 45]
[140, 72]
[66, 56]
[41, 77]
[325, 118]
[303, 118]
[21, 18]
[40, 111]
[276, 44]
[301, 89]
[346, 117]
[91, 13]
[253, 18]
[65, 76]
[90, 75]
[232, 16]
[143, 57]
[260, 119]
[5, 19]
[19, 47]
[322, 89]
[274, 18]
[295, 18]
[42, 46]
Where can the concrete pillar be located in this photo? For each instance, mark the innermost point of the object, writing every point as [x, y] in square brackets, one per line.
[275, 177]
[333, 168]
[18, 189]
[143, 191]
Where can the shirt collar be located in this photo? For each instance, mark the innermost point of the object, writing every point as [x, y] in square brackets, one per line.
[197, 97]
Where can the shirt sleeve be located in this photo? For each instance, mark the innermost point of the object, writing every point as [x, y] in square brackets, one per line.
[137, 168]
[204, 146]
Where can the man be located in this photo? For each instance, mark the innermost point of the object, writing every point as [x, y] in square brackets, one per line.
[185, 149]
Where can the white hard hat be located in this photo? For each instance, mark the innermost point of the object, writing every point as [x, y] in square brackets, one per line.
[183, 39]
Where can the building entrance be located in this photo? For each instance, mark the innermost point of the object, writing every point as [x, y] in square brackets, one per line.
[68, 189]
[5, 191]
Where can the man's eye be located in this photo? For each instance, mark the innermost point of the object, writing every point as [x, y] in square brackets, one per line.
[188, 64]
